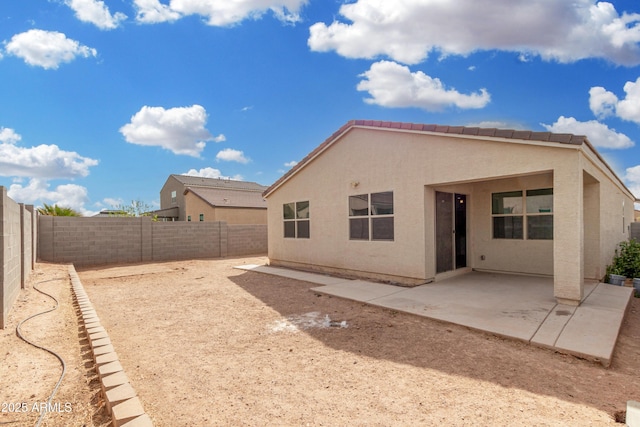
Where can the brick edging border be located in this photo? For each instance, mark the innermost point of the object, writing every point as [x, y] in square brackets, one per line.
[121, 399]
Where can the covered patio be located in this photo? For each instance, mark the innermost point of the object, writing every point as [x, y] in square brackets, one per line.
[491, 303]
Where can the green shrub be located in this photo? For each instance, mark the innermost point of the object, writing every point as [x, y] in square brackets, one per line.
[626, 260]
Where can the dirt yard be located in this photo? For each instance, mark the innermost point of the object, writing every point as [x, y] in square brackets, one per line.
[28, 375]
[204, 344]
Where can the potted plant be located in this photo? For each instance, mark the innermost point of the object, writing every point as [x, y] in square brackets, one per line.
[636, 277]
[615, 276]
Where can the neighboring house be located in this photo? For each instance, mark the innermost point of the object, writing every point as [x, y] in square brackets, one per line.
[191, 198]
[637, 215]
[412, 203]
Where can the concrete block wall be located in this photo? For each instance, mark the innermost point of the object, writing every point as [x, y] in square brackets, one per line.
[16, 250]
[26, 245]
[102, 241]
[635, 231]
[91, 241]
[247, 239]
[186, 240]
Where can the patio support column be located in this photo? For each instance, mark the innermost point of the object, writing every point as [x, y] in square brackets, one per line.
[568, 233]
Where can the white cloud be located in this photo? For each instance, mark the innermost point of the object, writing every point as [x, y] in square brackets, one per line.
[604, 103]
[217, 12]
[632, 177]
[393, 85]
[97, 13]
[9, 136]
[496, 124]
[629, 107]
[109, 201]
[152, 12]
[231, 155]
[211, 173]
[409, 30]
[37, 191]
[599, 134]
[43, 161]
[180, 130]
[291, 164]
[46, 49]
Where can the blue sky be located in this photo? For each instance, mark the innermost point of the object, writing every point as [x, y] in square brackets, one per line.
[100, 101]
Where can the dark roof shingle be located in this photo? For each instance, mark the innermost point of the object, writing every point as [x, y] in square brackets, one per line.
[197, 181]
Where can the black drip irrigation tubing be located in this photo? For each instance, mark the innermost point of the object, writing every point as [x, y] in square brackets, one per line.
[64, 366]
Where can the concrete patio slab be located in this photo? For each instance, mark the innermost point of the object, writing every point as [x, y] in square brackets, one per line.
[361, 290]
[321, 279]
[513, 306]
[593, 329]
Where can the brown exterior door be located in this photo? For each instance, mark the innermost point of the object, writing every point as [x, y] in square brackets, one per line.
[451, 231]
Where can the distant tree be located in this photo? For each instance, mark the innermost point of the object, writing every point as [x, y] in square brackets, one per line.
[56, 210]
[135, 208]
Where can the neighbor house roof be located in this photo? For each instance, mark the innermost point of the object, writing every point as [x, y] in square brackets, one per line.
[196, 181]
[223, 197]
[560, 138]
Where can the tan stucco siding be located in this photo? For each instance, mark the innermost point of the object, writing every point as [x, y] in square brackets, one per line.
[507, 254]
[615, 212]
[414, 166]
[327, 184]
[171, 185]
[241, 215]
[195, 206]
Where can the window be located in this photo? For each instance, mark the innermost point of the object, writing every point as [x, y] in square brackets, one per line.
[540, 214]
[189, 218]
[506, 209]
[201, 217]
[173, 197]
[371, 216]
[296, 220]
[510, 209]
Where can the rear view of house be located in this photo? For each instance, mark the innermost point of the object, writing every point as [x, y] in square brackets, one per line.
[413, 203]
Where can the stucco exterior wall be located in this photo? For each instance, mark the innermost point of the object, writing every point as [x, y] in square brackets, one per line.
[194, 206]
[506, 254]
[416, 165]
[173, 184]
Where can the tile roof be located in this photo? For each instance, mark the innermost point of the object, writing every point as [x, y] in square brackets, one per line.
[196, 181]
[226, 197]
[562, 138]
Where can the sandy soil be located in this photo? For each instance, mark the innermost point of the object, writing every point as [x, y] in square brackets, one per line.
[28, 375]
[205, 344]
